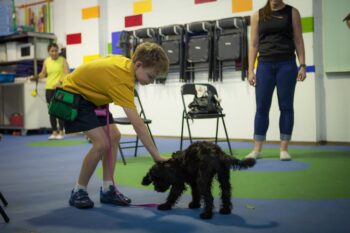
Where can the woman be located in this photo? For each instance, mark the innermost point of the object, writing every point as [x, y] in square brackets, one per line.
[276, 34]
[55, 68]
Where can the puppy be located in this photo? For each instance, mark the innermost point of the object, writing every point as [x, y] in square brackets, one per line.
[196, 166]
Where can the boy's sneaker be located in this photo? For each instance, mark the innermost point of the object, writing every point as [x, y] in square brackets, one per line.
[253, 155]
[80, 199]
[112, 196]
[285, 156]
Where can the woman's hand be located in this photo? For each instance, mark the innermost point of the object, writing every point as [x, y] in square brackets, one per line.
[252, 78]
[34, 78]
[301, 74]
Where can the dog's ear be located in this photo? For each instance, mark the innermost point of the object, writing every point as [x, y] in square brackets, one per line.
[147, 180]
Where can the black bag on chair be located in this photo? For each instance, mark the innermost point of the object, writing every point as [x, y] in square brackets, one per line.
[205, 104]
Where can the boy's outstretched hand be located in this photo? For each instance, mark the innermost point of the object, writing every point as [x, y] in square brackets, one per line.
[160, 159]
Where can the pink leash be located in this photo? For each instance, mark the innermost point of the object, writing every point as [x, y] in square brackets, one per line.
[110, 163]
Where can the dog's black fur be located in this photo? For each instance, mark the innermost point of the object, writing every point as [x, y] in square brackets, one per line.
[196, 166]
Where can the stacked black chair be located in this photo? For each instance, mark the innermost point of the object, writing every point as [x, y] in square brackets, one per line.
[133, 144]
[190, 89]
[2, 211]
[199, 49]
[171, 40]
[146, 35]
[124, 43]
[231, 46]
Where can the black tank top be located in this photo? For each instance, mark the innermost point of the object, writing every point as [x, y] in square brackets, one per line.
[276, 42]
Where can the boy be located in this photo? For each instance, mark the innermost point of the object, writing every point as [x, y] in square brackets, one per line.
[100, 82]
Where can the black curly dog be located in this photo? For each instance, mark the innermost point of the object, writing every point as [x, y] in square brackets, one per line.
[196, 166]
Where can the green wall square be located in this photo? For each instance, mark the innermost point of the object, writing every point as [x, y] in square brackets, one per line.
[307, 24]
[109, 48]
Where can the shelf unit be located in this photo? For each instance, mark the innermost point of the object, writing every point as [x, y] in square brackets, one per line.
[16, 97]
[26, 37]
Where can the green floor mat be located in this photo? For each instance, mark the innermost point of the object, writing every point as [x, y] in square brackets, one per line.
[57, 143]
[325, 178]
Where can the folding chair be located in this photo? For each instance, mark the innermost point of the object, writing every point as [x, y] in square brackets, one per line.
[171, 40]
[2, 211]
[146, 35]
[190, 89]
[199, 49]
[124, 43]
[231, 46]
[125, 121]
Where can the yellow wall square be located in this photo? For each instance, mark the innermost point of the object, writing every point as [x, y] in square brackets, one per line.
[142, 6]
[242, 5]
[91, 12]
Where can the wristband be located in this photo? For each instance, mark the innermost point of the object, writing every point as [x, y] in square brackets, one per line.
[302, 65]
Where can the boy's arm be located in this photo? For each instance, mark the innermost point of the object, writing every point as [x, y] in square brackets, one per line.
[142, 133]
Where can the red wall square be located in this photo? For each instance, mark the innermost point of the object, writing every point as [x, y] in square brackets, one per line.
[203, 1]
[133, 20]
[74, 38]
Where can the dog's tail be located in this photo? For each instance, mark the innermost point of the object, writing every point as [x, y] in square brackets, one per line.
[238, 164]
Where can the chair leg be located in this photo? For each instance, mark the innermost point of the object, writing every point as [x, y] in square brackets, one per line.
[189, 130]
[182, 131]
[217, 130]
[122, 155]
[2, 211]
[2, 198]
[4, 215]
[227, 139]
[136, 145]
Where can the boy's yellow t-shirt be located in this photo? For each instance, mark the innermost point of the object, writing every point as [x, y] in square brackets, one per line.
[55, 71]
[106, 80]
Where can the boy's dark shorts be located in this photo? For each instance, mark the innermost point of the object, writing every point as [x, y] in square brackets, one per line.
[86, 119]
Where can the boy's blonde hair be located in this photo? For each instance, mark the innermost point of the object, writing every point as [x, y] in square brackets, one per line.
[152, 56]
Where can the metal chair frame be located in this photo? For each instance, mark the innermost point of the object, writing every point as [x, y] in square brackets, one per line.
[190, 89]
[125, 121]
[2, 211]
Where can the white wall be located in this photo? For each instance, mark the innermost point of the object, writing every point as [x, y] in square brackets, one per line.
[332, 89]
[163, 103]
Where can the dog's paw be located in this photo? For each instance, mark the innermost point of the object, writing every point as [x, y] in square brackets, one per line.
[206, 215]
[225, 211]
[194, 205]
[164, 207]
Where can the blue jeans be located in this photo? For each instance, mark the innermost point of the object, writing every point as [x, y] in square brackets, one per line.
[269, 75]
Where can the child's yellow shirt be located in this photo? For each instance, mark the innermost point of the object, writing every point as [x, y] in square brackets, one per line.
[106, 80]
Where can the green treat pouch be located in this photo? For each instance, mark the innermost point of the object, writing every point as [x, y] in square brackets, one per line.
[64, 105]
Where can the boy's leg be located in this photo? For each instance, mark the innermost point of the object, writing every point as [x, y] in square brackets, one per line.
[98, 150]
[108, 193]
[79, 196]
[115, 139]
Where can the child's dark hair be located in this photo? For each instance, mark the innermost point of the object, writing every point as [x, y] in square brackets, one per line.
[52, 45]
